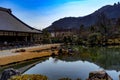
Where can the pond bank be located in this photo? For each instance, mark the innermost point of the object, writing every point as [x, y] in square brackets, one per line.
[30, 53]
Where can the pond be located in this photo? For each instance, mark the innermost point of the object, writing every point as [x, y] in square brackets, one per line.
[56, 69]
[80, 64]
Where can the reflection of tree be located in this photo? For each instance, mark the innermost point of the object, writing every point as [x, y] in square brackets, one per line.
[108, 58]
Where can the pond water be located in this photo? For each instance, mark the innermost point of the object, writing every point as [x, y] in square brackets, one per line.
[80, 64]
[56, 69]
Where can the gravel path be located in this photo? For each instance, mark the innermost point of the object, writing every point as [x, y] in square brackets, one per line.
[6, 53]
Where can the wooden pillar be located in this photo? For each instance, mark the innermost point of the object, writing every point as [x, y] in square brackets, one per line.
[31, 38]
[26, 38]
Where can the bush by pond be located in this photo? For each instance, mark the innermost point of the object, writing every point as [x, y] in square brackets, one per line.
[35, 77]
[29, 77]
[68, 79]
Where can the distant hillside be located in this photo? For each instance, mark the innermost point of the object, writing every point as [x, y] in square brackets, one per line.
[111, 12]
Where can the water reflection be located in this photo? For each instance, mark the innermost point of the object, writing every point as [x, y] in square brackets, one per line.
[114, 74]
[74, 70]
[80, 64]
[23, 66]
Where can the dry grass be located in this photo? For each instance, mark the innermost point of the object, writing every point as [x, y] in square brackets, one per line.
[26, 55]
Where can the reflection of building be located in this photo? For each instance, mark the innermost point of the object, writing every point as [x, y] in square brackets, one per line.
[12, 29]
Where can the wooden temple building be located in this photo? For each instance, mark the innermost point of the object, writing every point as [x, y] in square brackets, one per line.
[13, 30]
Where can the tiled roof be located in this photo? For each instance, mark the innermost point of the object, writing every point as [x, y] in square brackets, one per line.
[8, 22]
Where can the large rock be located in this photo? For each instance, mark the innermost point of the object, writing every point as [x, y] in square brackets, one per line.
[99, 75]
[7, 73]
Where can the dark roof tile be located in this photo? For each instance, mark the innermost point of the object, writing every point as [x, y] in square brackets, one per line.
[8, 22]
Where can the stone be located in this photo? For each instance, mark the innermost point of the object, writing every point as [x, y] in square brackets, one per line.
[99, 75]
[7, 73]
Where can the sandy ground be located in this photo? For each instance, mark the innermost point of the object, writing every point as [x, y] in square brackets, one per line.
[8, 56]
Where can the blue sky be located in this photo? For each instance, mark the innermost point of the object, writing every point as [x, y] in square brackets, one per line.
[41, 13]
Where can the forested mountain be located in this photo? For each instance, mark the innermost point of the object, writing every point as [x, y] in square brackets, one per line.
[108, 15]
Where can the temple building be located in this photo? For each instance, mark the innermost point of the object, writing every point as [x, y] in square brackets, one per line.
[13, 29]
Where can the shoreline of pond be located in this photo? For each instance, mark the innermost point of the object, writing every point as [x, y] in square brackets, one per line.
[30, 53]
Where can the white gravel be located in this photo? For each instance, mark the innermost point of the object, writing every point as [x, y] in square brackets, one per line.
[6, 53]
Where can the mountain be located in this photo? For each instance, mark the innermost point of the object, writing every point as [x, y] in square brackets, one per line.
[111, 12]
